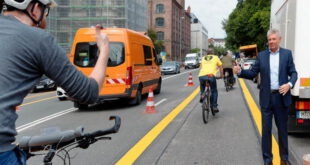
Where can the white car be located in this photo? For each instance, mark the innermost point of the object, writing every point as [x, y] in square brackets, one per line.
[247, 64]
[61, 94]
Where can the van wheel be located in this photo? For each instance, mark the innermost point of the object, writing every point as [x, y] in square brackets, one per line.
[137, 99]
[158, 89]
[80, 106]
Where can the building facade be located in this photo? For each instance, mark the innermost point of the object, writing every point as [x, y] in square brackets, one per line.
[217, 42]
[172, 25]
[70, 15]
[199, 36]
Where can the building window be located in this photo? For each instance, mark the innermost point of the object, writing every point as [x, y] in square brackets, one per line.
[160, 22]
[159, 8]
[160, 35]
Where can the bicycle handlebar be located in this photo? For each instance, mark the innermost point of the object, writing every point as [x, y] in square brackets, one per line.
[58, 137]
[64, 138]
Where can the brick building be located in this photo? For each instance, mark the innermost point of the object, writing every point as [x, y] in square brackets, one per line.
[172, 25]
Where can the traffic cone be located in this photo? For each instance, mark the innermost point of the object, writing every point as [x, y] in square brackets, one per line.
[190, 80]
[16, 108]
[150, 107]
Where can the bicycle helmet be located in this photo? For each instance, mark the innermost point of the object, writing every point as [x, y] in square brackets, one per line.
[22, 4]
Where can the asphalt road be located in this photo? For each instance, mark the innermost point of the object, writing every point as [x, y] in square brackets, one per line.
[174, 134]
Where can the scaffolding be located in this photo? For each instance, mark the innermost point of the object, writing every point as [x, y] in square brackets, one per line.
[71, 15]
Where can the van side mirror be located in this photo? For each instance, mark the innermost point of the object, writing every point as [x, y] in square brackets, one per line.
[158, 60]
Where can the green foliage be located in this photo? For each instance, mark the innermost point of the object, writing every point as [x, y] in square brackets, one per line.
[195, 50]
[248, 24]
[158, 44]
[218, 50]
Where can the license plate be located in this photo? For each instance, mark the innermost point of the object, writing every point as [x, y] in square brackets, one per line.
[303, 114]
[40, 86]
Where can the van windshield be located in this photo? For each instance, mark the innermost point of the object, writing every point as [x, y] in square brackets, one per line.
[190, 58]
[86, 54]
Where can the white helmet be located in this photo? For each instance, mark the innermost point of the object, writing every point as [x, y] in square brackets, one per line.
[22, 4]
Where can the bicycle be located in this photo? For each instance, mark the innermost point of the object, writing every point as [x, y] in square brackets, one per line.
[228, 85]
[206, 103]
[64, 141]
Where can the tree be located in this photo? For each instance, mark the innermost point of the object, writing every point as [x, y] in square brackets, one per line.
[247, 24]
[158, 44]
[195, 50]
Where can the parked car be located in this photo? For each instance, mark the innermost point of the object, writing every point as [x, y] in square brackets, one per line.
[247, 64]
[170, 67]
[61, 94]
[45, 83]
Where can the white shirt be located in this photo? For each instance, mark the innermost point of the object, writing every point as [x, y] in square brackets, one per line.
[274, 69]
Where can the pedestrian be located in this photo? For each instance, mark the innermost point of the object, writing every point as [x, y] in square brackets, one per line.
[210, 65]
[278, 76]
[28, 52]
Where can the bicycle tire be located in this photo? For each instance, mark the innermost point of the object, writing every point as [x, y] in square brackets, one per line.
[226, 84]
[205, 112]
[206, 107]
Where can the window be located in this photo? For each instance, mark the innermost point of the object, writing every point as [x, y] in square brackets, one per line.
[159, 8]
[147, 55]
[160, 22]
[160, 35]
[86, 54]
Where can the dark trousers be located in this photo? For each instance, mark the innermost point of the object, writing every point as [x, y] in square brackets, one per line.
[213, 86]
[280, 113]
[230, 76]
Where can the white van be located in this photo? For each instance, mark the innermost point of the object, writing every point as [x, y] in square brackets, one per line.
[191, 60]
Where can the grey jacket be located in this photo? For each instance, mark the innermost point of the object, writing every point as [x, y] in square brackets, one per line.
[25, 54]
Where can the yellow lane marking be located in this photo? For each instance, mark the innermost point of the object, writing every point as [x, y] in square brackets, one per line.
[49, 98]
[256, 115]
[131, 156]
[38, 94]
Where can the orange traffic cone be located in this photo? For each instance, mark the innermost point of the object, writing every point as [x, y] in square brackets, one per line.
[150, 107]
[16, 108]
[190, 80]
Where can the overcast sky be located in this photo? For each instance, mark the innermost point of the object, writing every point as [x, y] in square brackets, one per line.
[211, 13]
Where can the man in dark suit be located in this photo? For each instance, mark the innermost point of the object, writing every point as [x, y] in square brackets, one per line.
[278, 76]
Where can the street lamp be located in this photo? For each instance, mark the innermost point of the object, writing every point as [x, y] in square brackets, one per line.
[181, 38]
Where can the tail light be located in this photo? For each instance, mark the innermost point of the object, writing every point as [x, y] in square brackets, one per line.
[300, 121]
[302, 105]
[128, 75]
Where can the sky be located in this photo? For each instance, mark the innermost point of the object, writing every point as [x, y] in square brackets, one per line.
[211, 13]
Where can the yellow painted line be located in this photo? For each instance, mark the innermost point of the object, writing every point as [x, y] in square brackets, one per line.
[256, 115]
[131, 156]
[38, 94]
[49, 98]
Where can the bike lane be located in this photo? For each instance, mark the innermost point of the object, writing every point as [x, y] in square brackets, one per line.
[230, 137]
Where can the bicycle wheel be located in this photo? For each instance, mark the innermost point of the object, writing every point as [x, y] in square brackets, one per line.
[206, 106]
[205, 111]
[226, 84]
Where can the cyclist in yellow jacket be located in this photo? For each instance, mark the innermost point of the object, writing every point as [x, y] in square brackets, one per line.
[210, 65]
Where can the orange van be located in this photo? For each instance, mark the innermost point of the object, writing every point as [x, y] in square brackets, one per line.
[133, 65]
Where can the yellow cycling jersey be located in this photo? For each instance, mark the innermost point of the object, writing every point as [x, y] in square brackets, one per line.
[209, 65]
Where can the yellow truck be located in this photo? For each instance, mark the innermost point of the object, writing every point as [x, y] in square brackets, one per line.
[249, 51]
